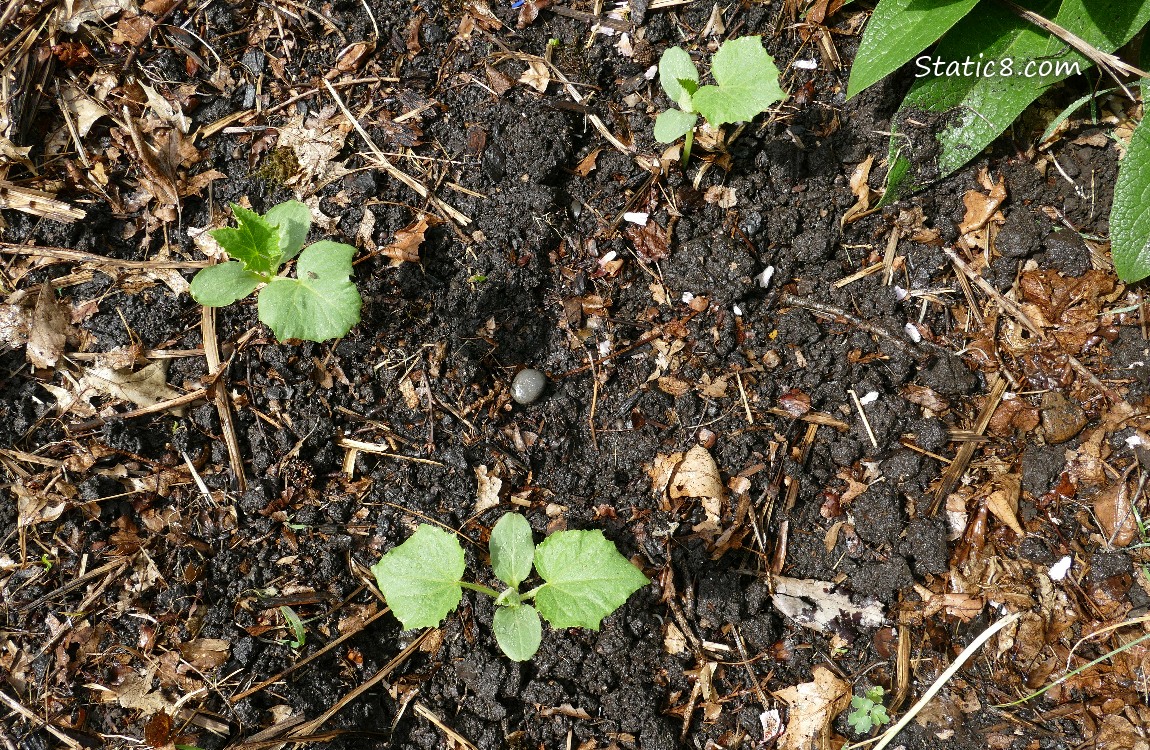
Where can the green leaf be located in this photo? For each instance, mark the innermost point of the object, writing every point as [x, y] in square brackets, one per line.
[255, 242]
[296, 626]
[512, 549]
[222, 284]
[420, 578]
[678, 76]
[321, 303]
[673, 124]
[748, 83]
[293, 220]
[971, 111]
[1130, 215]
[587, 579]
[896, 32]
[517, 631]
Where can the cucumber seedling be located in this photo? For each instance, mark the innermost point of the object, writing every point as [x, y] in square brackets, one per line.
[746, 84]
[321, 303]
[584, 580]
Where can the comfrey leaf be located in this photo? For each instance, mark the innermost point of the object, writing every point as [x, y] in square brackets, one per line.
[748, 83]
[512, 549]
[517, 631]
[221, 285]
[420, 578]
[321, 303]
[255, 242]
[586, 579]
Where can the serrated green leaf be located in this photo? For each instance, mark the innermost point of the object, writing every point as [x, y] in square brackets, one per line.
[321, 303]
[748, 83]
[1130, 215]
[420, 578]
[586, 579]
[293, 220]
[977, 109]
[675, 69]
[673, 124]
[222, 284]
[512, 549]
[255, 242]
[517, 631]
[896, 32]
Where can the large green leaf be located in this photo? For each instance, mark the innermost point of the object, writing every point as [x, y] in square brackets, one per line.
[255, 242]
[420, 578]
[222, 284]
[1130, 214]
[678, 76]
[517, 631]
[587, 579]
[961, 115]
[748, 83]
[321, 303]
[512, 549]
[293, 220]
[896, 32]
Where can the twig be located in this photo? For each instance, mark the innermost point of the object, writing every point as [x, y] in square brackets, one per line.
[862, 415]
[791, 300]
[953, 472]
[163, 406]
[19, 708]
[420, 189]
[967, 652]
[378, 449]
[220, 395]
[78, 256]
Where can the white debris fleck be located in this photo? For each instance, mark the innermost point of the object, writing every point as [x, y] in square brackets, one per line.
[738, 311]
[764, 278]
[912, 331]
[1059, 569]
[1135, 441]
[604, 348]
[687, 297]
[651, 72]
[899, 293]
[870, 398]
[636, 217]
[610, 256]
[805, 64]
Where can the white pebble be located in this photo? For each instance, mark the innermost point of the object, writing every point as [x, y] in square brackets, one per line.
[912, 331]
[1059, 569]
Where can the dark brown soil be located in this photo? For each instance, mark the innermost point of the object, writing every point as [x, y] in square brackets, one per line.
[427, 373]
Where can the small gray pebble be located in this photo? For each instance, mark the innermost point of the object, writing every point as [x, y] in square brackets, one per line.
[527, 386]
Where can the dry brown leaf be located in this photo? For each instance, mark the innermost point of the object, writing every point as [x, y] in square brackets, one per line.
[698, 476]
[35, 506]
[145, 387]
[1116, 515]
[316, 142]
[529, 11]
[816, 605]
[49, 330]
[587, 163]
[674, 642]
[813, 708]
[1003, 502]
[133, 30]
[498, 82]
[651, 241]
[537, 76]
[72, 15]
[723, 197]
[405, 247]
[861, 190]
[205, 653]
[981, 207]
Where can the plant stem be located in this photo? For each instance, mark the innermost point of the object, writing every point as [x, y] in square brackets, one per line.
[530, 594]
[481, 589]
[687, 145]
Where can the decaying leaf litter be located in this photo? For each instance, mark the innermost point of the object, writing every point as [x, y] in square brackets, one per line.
[842, 443]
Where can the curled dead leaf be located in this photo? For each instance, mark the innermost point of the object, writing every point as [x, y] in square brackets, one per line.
[698, 476]
[813, 707]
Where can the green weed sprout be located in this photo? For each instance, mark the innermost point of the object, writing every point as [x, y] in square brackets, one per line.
[584, 580]
[867, 711]
[321, 303]
[746, 84]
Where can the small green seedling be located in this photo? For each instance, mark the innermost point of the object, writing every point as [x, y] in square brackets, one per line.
[585, 579]
[321, 303]
[297, 629]
[867, 711]
[747, 83]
